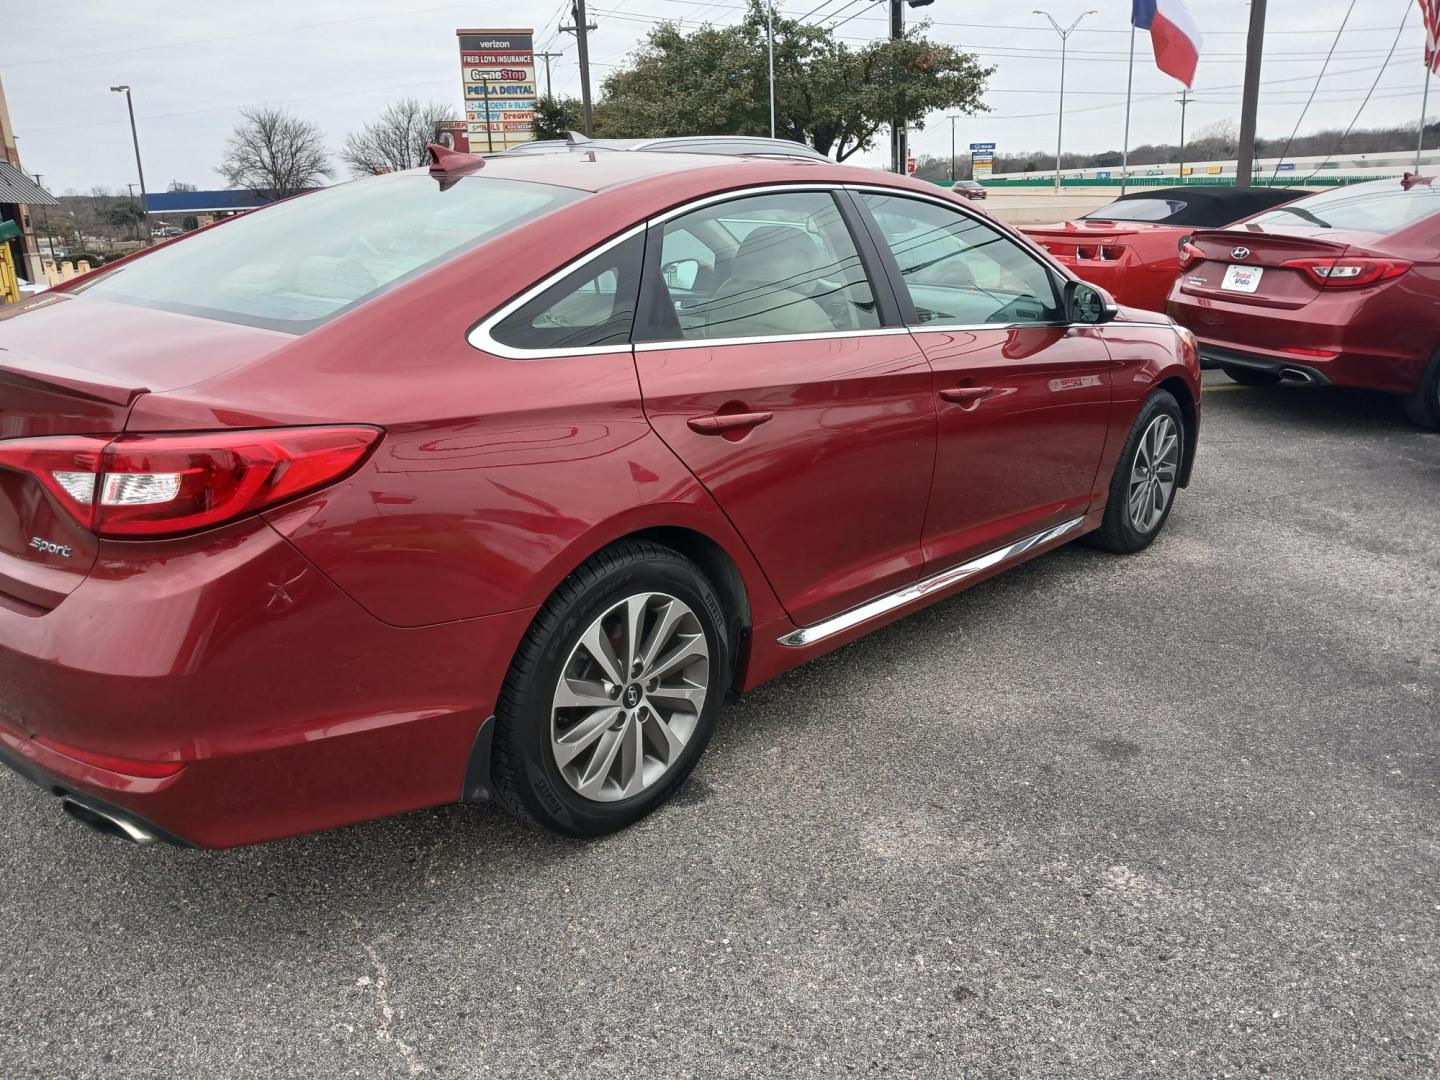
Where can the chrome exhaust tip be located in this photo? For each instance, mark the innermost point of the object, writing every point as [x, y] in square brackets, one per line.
[105, 822]
[1295, 374]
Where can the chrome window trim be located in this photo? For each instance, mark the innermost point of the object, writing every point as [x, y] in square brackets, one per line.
[910, 594]
[762, 339]
[480, 336]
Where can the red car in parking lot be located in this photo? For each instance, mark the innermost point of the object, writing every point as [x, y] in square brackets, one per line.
[1132, 246]
[493, 482]
[1340, 287]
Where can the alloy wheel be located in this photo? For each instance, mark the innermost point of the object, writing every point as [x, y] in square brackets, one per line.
[630, 697]
[1152, 476]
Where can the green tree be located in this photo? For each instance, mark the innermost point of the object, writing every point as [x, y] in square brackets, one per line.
[123, 214]
[556, 117]
[714, 81]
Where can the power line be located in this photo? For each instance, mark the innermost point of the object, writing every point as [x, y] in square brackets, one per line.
[1299, 119]
[1403, 18]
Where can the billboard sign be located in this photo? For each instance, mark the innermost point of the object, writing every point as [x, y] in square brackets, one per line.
[497, 78]
[982, 156]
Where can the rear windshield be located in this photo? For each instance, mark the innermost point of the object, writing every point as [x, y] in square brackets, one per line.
[1363, 209]
[296, 264]
[1138, 210]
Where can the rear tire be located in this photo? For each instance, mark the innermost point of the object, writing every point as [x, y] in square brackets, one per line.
[1142, 489]
[1423, 406]
[1250, 376]
[613, 693]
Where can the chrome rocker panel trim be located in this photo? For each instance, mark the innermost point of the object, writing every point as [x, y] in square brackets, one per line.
[910, 594]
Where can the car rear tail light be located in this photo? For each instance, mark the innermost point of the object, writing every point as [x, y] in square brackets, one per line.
[161, 485]
[1348, 273]
[1189, 253]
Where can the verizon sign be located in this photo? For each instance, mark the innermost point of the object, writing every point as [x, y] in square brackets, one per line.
[497, 77]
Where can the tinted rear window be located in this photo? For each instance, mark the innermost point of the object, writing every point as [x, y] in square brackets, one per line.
[1138, 210]
[294, 265]
[1362, 208]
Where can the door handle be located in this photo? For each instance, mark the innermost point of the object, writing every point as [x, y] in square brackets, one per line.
[966, 395]
[720, 423]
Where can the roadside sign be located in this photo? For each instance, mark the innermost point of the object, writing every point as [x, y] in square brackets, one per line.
[974, 146]
[910, 164]
[1287, 166]
[1102, 174]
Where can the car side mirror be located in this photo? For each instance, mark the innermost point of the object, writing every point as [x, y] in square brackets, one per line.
[681, 274]
[1086, 303]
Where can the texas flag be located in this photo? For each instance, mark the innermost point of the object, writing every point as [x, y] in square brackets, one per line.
[1173, 34]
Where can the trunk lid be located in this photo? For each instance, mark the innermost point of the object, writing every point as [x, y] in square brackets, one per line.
[1266, 250]
[1091, 239]
[74, 366]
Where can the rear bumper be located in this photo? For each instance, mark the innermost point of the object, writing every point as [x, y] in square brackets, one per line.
[282, 705]
[1339, 339]
[1215, 356]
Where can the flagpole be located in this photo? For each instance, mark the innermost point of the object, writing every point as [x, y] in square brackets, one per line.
[1129, 83]
[1424, 101]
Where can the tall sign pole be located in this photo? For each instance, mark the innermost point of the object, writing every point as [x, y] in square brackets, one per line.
[489, 127]
[1250, 98]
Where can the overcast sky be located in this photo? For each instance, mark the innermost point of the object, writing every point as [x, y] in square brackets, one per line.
[338, 62]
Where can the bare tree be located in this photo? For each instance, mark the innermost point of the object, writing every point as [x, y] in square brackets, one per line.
[395, 141]
[181, 185]
[273, 152]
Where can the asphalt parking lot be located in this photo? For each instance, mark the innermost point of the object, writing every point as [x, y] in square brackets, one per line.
[1165, 816]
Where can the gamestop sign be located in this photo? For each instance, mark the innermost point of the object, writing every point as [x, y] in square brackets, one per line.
[497, 67]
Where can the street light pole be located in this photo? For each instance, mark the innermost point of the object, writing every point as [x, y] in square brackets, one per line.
[139, 169]
[1064, 38]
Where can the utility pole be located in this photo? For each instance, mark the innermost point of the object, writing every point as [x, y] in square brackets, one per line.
[1060, 124]
[1250, 99]
[547, 57]
[581, 30]
[899, 150]
[45, 217]
[1184, 102]
[952, 118]
[135, 138]
[139, 232]
[770, 44]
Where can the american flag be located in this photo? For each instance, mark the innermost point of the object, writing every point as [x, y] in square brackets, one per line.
[1430, 14]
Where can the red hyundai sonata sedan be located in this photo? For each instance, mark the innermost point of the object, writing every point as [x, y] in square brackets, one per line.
[494, 481]
[1341, 287]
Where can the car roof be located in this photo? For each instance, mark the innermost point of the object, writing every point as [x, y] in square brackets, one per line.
[1211, 205]
[599, 171]
[729, 145]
